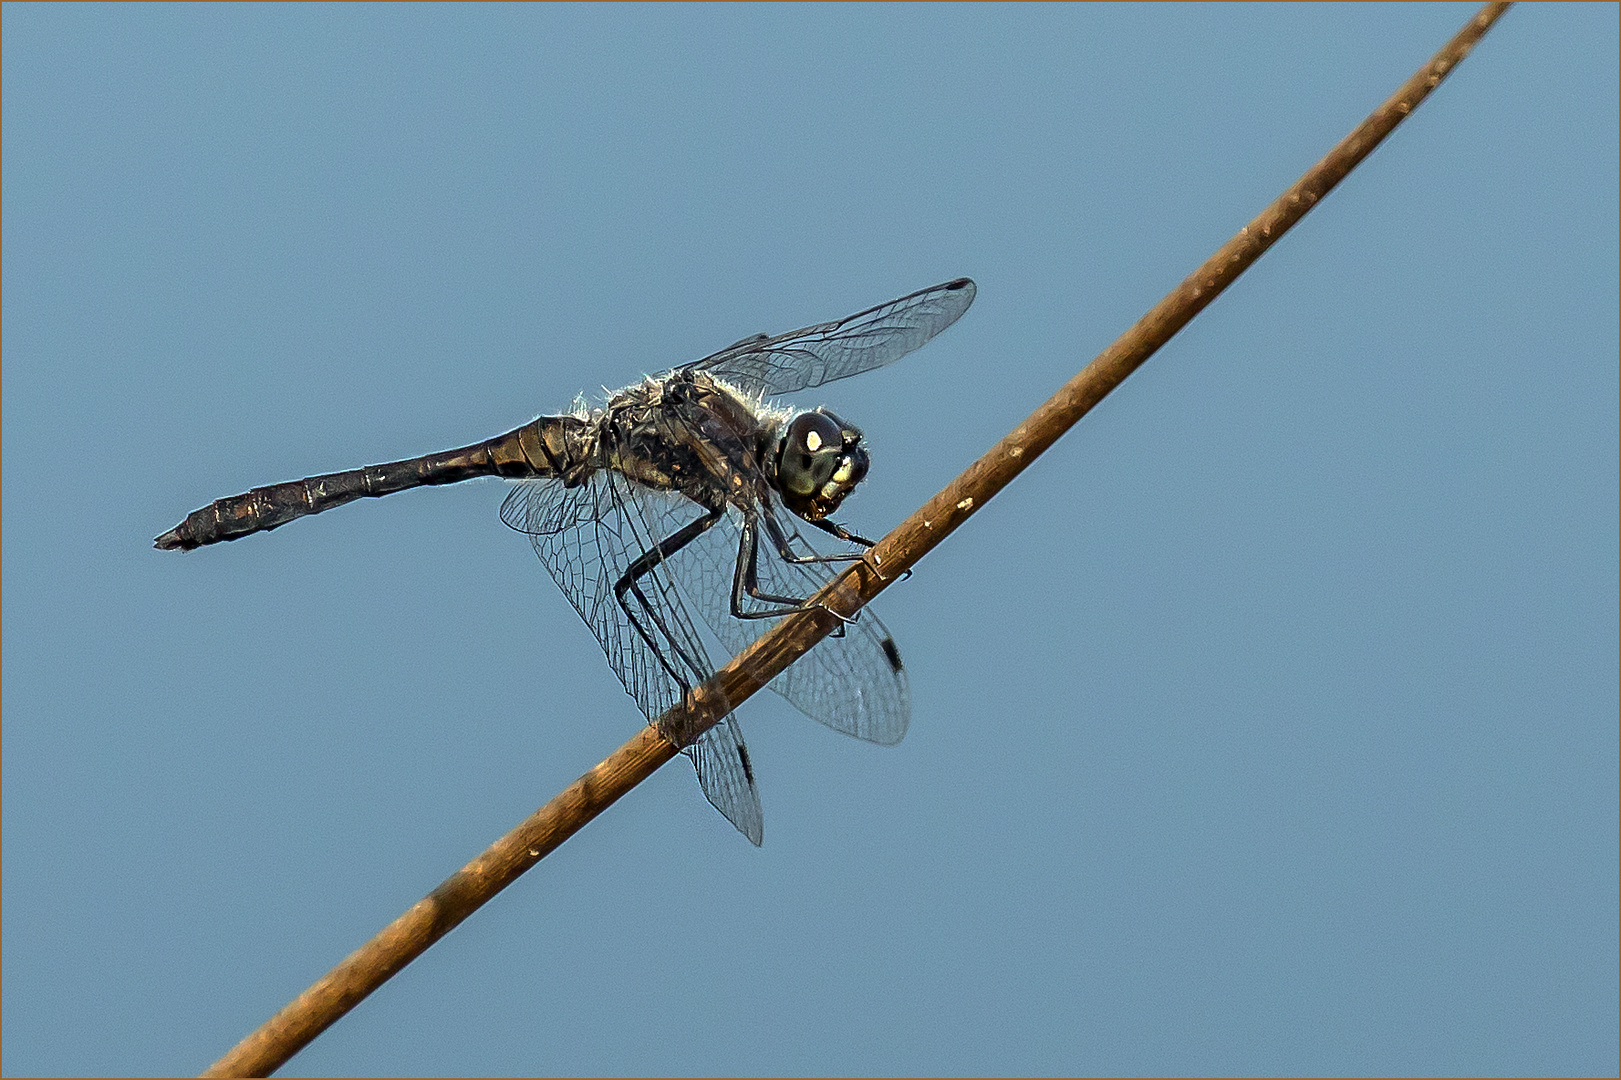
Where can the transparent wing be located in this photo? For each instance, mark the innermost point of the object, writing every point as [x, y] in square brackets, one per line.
[727, 778]
[586, 536]
[853, 683]
[819, 354]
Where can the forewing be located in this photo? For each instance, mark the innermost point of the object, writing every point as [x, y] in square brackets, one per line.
[819, 354]
[586, 536]
[727, 777]
[853, 683]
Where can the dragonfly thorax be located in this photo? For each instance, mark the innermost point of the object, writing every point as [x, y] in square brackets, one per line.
[819, 461]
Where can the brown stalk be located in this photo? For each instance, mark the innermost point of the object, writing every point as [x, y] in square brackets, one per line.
[284, 1034]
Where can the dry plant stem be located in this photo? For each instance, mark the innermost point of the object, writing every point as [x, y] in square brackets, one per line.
[432, 917]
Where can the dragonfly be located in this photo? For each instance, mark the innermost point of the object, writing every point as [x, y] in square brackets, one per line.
[676, 505]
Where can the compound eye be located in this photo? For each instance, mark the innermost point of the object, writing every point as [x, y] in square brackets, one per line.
[810, 452]
[812, 432]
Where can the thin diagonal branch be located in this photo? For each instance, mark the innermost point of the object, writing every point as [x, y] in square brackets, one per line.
[460, 895]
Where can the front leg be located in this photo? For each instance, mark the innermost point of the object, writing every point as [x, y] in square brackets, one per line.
[746, 577]
[844, 534]
[780, 540]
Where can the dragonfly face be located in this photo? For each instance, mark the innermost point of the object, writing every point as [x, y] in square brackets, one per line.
[818, 463]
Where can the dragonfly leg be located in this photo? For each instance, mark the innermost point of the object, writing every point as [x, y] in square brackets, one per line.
[780, 541]
[746, 578]
[832, 528]
[628, 583]
[844, 534]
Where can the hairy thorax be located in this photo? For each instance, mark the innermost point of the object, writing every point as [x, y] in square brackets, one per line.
[693, 434]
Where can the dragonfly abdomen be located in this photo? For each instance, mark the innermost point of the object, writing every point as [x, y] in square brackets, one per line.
[549, 446]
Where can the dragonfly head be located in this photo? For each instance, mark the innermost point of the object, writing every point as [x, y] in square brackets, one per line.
[820, 460]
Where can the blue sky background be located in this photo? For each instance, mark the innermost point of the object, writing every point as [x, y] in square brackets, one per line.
[1268, 724]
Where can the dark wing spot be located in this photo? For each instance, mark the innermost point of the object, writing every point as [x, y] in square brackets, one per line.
[743, 756]
[892, 654]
